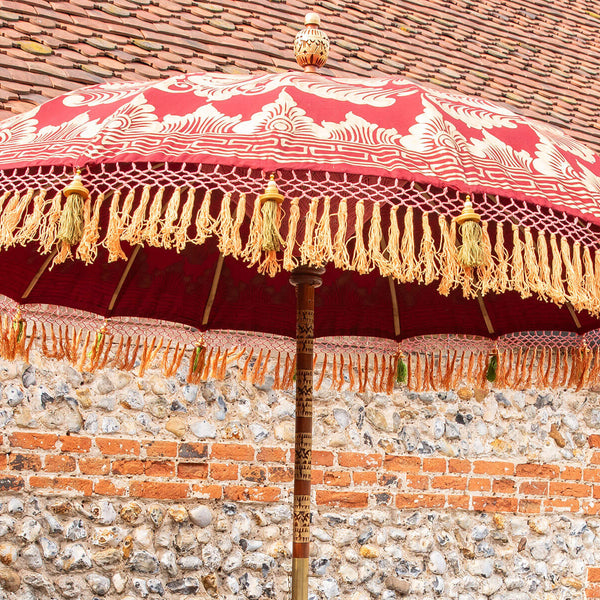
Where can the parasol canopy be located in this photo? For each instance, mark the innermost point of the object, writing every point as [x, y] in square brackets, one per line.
[373, 172]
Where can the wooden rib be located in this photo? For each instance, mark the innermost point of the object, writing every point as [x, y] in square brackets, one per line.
[128, 266]
[485, 314]
[395, 311]
[213, 290]
[37, 276]
[573, 315]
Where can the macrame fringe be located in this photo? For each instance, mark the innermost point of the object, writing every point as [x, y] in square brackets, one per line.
[522, 368]
[280, 236]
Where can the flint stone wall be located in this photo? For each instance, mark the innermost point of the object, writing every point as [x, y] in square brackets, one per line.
[114, 486]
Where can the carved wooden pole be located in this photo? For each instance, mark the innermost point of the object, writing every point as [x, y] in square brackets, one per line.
[306, 279]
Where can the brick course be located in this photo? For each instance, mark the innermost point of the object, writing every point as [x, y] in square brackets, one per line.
[166, 469]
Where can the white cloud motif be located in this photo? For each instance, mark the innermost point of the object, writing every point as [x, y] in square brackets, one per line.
[218, 87]
[206, 119]
[550, 161]
[354, 129]
[104, 94]
[80, 127]
[553, 135]
[498, 152]
[20, 129]
[432, 134]
[281, 116]
[474, 112]
[134, 118]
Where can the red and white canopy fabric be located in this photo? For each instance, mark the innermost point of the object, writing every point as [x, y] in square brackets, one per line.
[387, 127]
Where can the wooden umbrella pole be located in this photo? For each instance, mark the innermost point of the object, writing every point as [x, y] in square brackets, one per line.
[305, 279]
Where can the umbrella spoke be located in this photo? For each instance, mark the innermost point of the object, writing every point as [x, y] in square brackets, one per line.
[38, 275]
[119, 287]
[213, 290]
[485, 314]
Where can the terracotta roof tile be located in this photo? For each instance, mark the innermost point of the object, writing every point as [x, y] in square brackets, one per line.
[68, 8]
[80, 76]
[537, 56]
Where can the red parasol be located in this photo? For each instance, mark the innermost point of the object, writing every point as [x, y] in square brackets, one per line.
[431, 212]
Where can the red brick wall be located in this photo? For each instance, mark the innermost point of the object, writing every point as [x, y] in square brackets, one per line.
[164, 469]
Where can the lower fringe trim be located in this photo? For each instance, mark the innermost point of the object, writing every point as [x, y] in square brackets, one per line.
[516, 368]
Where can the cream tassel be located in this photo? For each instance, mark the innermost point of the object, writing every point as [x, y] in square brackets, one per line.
[181, 237]
[323, 244]
[558, 290]
[134, 232]
[88, 247]
[580, 298]
[486, 275]
[341, 258]
[171, 214]
[589, 282]
[376, 240]
[360, 259]
[253, 248]
[117, 224]
[49, 226]
[205, 224]
[502, 278]
[236, 238]
[572, 277]
[289, 261]
[545, 287]
[532, 269]
[428, 269]
[150, 234]
[409, 269]
[307, 248]
[224, 226]
[519, 284]
[3, 199]
[32, 222]
[449, 267]
[7, 219]
[11, 217]
[393, 249]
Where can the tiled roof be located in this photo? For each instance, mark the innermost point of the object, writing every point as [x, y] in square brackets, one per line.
[541, 57]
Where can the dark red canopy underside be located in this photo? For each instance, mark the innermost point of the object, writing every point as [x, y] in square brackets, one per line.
[175, 287]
